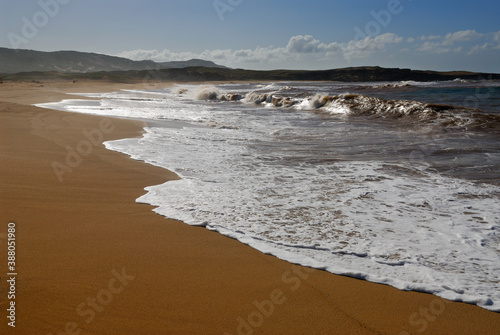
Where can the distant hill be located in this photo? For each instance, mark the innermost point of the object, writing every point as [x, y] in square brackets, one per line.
[201, 74]
[350, 74]
[18, 60]
[23, 64]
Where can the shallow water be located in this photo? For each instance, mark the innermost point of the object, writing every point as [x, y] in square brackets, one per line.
[366, 180]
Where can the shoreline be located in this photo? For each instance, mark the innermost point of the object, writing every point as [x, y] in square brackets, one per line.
[76, 236]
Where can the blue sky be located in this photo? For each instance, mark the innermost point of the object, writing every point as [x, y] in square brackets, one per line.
[258, 34]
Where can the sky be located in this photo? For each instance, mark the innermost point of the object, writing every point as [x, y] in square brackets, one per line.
[443, 35]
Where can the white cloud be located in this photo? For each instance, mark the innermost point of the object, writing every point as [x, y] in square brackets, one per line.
[443, 44]
[369, 45]
[461, 36]
[307, 49]
[433, 47]
[430, 37]
[307, 44]
[388, 38]
[478, 48]
[496, 36]
[302, 44]
[226, 56]
[298, 46]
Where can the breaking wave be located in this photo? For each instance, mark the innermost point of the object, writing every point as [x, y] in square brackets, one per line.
[405, 111]
[446, 116]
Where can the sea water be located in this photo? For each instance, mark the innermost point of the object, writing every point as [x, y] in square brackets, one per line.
[395, 183]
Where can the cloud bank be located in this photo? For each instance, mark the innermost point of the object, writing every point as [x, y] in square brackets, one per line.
[307, 49]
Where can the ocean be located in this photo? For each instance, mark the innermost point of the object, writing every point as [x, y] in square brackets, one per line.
[395, 183]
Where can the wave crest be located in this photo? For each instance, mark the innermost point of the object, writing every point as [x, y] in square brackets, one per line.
[207, 93]
[408, 112]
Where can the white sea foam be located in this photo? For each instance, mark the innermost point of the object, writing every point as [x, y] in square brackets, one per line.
[389, 221]
[370, 221]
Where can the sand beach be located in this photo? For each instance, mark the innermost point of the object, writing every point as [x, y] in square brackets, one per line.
[90, 260]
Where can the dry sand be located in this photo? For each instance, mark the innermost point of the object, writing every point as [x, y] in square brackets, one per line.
[90, 260]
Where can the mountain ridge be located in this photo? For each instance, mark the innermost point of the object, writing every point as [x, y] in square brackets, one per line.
[67, 61]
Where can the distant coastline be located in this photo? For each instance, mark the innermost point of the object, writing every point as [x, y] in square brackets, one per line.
[201, 74]
[71, 65]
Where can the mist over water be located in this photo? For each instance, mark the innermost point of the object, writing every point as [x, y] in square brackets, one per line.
[396, 183]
